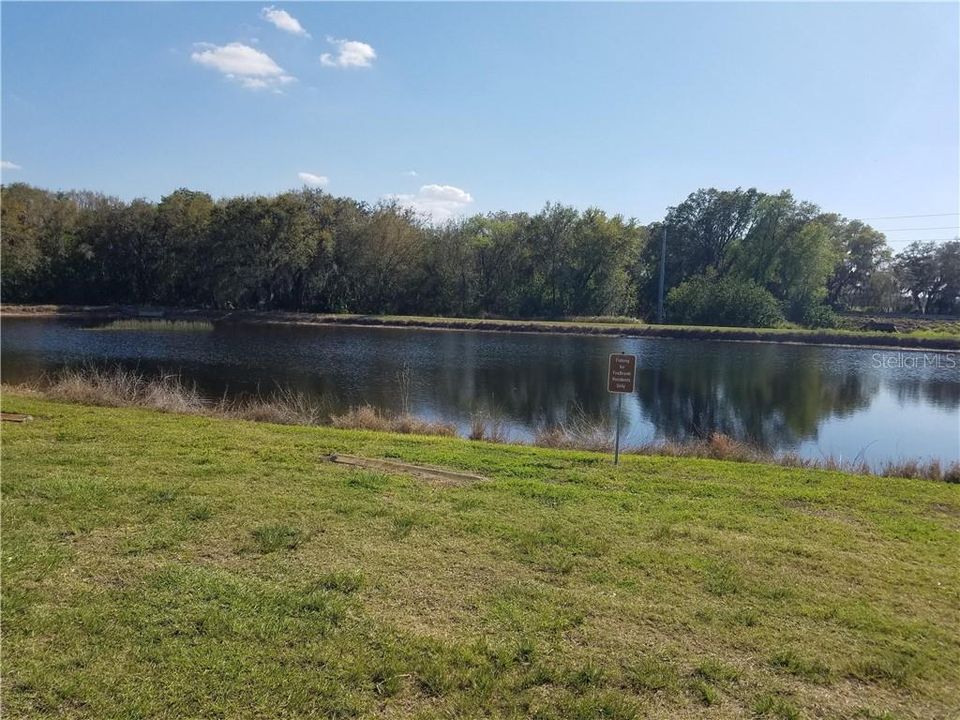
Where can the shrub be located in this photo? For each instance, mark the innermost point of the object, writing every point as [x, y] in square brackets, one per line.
[814, 315]
[709, 300]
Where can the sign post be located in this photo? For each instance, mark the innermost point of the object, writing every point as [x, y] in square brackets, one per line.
[621, 377]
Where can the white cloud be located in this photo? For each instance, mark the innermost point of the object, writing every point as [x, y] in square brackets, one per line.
[350, 53]
[7, 165]
[410, 173]
[313, 180]
[243, 64]
[440, 202]
[284, 21]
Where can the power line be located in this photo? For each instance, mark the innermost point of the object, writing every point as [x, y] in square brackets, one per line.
[904, 217]
[947, 227]
[912, 240]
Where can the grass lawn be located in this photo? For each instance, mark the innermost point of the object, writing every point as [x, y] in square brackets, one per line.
[169, 566]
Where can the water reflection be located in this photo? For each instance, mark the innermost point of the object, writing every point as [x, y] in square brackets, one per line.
[773, 398]
[779, 396]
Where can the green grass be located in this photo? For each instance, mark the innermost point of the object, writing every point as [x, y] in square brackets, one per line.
[159, 565]
[158, 325]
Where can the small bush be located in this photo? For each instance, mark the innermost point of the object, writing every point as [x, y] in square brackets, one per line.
[709, 300]
[815, 316]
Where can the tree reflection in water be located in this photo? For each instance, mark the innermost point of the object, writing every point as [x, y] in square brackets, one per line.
[776, 396]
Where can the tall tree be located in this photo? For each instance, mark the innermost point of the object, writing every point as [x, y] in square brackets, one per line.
[183, 231]
[862, 251]
[918, 273]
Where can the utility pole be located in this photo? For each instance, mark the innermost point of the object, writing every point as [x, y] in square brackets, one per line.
[663, 268]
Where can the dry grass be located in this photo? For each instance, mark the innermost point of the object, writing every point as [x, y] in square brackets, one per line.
[578, 433]
[717, 446]
[171, 393]
[929, 470]
[367, 417]
[123, 388]
[283, 406]
[487, 428]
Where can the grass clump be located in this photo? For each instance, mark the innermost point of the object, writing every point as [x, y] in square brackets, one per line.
[705, 693]
[721, 578]
[162, 496]
[342, 582]
[271, 538]
[649, 675]
[773, 705]
[716, 672]
[895, 667]
[809, 670]
[200, 513]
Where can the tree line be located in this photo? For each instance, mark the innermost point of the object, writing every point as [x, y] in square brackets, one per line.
[738, 257]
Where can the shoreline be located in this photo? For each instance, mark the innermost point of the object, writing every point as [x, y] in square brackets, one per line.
[828, 337]
[101, 390]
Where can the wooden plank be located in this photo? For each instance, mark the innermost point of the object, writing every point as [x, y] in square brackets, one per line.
[441, 475]
[15, 417]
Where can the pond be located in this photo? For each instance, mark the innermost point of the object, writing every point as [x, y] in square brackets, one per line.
[816, 401]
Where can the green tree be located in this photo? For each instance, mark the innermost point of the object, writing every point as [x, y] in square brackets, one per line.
[862, 252]
[183, 231]
[23, 214]
[918, 272]
[702, 232]
[948, 262]
[601, 259]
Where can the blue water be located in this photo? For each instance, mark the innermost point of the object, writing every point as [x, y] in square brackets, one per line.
[813, 400]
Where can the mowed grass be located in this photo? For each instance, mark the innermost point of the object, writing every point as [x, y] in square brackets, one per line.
[159, 565]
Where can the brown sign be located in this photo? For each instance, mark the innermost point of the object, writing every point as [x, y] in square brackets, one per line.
[623, 371]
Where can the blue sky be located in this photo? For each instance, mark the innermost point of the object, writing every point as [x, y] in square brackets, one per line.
[628, 107]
